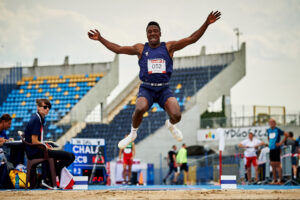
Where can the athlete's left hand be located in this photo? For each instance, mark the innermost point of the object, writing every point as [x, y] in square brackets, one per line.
[94, 34]
[212, 17]
[278, 144]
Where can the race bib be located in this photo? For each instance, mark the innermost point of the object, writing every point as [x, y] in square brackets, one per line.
[127, 150]
[272, 135]
[156, 66]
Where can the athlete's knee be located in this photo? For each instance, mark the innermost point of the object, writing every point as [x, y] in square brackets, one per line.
[175, 118]
[140, 110]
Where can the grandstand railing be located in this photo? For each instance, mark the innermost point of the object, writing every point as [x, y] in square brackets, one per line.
[291, 119]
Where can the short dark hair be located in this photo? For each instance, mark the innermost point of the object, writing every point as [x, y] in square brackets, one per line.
[291, 134]
[40, 102]
[5, 117]
[153, 23]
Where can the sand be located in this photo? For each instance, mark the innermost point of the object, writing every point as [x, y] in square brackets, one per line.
[129, 194]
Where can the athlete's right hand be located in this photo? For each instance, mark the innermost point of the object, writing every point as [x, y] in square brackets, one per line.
[94, 35]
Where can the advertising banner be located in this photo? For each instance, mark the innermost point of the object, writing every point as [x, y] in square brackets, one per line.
[232, 133]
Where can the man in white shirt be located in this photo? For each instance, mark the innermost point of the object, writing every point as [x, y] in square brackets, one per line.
[250, 153]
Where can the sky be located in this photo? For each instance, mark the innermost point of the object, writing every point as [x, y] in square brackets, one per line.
[51, 30]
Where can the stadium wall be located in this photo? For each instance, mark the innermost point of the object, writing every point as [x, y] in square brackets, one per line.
[3, 73]
[203, 60]
[66, 69]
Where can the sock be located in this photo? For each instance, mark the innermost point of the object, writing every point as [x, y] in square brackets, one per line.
[133, 129]
[170, 125]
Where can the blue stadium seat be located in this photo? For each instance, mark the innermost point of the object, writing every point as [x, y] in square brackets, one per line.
[29, 91]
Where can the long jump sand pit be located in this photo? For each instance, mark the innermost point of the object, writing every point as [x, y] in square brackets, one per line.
[141, 194]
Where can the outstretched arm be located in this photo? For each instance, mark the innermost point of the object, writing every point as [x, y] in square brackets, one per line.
[180, 44]
[242, 146]
[130, 50]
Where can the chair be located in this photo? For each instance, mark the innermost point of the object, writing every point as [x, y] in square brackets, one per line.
[31, 163]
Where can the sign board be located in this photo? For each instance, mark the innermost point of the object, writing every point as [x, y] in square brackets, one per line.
[232, 133]
[89, 153]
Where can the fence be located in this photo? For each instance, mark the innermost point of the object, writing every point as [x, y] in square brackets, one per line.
[205, 169]
[291, 119]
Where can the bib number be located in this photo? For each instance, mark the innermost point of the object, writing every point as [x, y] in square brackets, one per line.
[156, 66]
[127, 150]
[272, 135]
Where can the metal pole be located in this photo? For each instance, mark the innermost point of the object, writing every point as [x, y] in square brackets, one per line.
[220, 166]
[238, 33]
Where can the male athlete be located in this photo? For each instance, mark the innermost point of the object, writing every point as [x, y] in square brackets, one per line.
[172, 164]
[128, 155]
[275, 143]
[156, 67]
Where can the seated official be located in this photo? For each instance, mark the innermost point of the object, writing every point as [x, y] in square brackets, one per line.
[13, 153]
[34, 134]
[5, 123]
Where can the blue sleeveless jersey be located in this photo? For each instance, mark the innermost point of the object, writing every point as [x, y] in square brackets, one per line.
[156, 65]
[274, 137]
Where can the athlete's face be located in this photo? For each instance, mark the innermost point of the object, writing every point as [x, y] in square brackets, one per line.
[272, 123]
[153, 35]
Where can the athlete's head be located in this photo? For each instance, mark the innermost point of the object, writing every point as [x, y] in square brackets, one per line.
[272, 123]
[250, 135]
[291, 134]
[153, 33]
[174, 147]
[5, 122]
[184, 145]
[43, 106]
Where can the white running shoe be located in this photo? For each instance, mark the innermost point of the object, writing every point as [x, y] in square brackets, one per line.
[175, 131]
[130, 138]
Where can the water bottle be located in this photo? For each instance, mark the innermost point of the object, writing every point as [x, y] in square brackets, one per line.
[17, 181]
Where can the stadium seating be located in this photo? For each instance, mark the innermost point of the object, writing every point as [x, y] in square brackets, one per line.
[185, 83]
[62, 91]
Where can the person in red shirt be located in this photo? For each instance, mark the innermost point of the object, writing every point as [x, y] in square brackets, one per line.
[128, 155]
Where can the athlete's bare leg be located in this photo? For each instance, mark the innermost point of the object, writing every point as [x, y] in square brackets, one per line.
[273, 164]
[124, 172]
[187, 177]
[249, 174]
[279, 168]
[141, 107]
[176, 176]
[172, 108]
[256, 173]
[129, 172]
